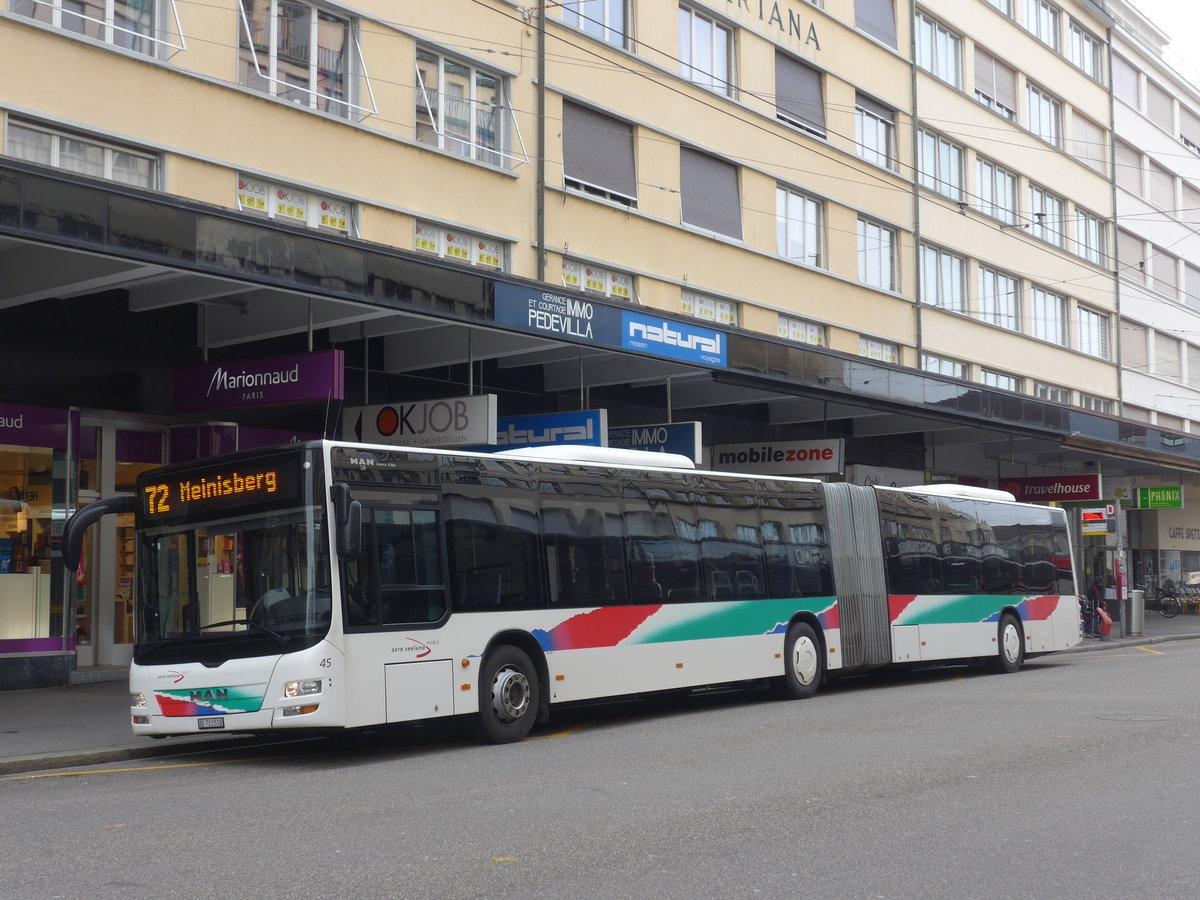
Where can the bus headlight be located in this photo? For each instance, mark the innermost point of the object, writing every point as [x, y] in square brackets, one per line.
[300, 710]
[302, 688]
[137, 698]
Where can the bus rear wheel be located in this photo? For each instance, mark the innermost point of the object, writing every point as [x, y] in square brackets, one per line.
[508, 695]
[1011, 650]
[803, 663]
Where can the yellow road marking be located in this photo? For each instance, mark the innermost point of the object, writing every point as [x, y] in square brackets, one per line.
[558, 734]
[1148, 650]
[191, 765]
[504, 859]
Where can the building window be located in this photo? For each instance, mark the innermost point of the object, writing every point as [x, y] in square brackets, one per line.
[1191, 286]
[1094, 333]
[875, 131]
[1097, 404]
[876, 18]
[1045, 116]
[602, 19]
[997, 191]
[940, 165]
[1052, 393]
[938, 50]
[798, 227]
[1089, 143]
[1164, 268]
[999, 301]
[289, 204]
[943, 279]
[1049, 316]
[1000, 380]
[1091, 237]
[799, 100]
[1160, 185]
[145, 27]
[452, 243]
[942, 365]
[709, 193]
[598, 155]
[460, 108]
[712, 309]
[1047, 216]
[1189, 129]
[84, 155]
[1160, 106]
[299, 53]
[1042, 19]
[1128, 168]
[876, 255]
[1125, 81]
[1134, 355]
[801, 331]
[705, 51]
[1086, 51]
[1131, 256]
[995, 84]
[881, 351]
[1166, 357]
[1192, 352]
[595, 280]
[1005, 6]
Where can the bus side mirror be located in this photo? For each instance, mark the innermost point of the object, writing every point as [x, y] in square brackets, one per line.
[74, 527]
[347, 517]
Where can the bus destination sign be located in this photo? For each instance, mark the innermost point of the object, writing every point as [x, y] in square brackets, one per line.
[203, 492]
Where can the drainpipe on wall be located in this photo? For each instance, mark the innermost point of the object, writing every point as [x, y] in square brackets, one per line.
[541, 141]
[1112, 181]
[916, 183]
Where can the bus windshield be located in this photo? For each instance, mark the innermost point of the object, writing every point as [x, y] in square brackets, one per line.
[251, 586]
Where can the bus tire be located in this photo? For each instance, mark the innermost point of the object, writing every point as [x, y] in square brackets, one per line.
[509, 695]
[1011, 640]
[803, 663]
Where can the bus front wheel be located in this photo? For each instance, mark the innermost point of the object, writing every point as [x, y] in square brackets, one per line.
[803, 663]
[1011, 651]
[508, 695]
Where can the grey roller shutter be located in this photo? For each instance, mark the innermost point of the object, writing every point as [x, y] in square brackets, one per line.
[798, 95]
[995, 79]
[877, 18]
[598, 151]
[710, 196]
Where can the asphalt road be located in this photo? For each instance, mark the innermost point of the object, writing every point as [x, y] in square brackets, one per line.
[1075, 777]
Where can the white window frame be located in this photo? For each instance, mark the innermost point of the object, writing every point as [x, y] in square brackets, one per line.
[943, 279]
[162, 37]
[109, 154]
[1049, 313]
[1087, 52]
[943, 173]
[286, 203]
[875, 137]
[1096, 404]
[1003, 6]
[709, 308]
[1091, 236]
[282, 88]
[882, 351]
[719, 50]
[876, 255]
[800, 331]
[939, 50]
[799, 224]
[1094, 333]
[1052, 393]
[997, 189]
[593, 279]
[999, 298]
[1001, 381]
[464, 246]
[595, 18]
[453, 143]
[944, 365]
[1044, 21]
[1045, 115]
[1047, 216]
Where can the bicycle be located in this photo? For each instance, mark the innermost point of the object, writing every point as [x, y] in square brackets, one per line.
[1168, 605]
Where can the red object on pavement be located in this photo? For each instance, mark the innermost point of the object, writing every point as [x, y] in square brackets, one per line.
[1105, 620]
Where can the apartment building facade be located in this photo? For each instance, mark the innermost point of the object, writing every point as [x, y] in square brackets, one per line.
[882, 225]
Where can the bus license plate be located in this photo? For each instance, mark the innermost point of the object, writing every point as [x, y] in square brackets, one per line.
[211, 722]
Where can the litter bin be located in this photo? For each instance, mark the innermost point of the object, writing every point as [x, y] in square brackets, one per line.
[1137, 614]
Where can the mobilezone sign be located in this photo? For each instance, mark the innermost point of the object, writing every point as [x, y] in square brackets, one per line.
[557, 315]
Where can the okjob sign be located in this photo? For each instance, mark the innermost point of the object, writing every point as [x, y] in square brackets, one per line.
[452, 422]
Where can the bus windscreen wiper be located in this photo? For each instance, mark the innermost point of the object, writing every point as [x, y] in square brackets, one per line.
[282, 638]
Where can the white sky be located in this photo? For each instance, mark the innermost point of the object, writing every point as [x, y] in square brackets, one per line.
[1180, 20]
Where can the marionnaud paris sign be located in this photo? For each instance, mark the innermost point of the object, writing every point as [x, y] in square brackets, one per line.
[452, 422]
[297, 378]
[557, 315]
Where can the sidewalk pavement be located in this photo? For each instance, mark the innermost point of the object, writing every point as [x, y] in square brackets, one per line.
[87, 724]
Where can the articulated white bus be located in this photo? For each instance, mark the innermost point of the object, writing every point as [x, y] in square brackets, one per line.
[330, 584]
